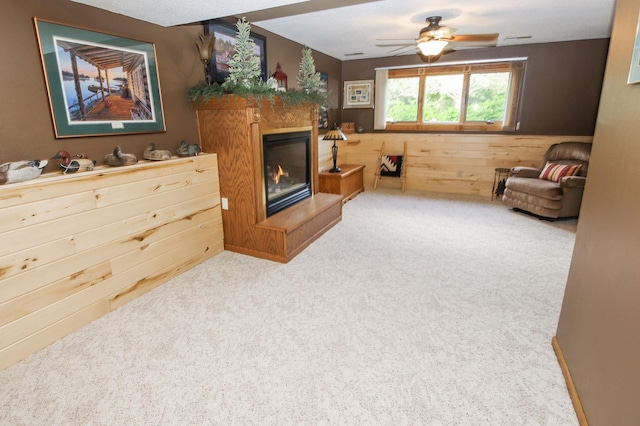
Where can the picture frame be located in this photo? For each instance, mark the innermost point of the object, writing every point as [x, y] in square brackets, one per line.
[224, 34]
[634, 69]
[358, 94]
[115, 78]
[323, 110]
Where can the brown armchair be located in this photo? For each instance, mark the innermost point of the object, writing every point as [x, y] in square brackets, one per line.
[551, 191]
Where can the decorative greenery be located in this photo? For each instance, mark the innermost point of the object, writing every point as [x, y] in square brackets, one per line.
[258, 92]
[308, 78]
[244, 77]
[244, 65]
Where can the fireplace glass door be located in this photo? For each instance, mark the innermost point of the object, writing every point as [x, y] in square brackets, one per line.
[287, 169]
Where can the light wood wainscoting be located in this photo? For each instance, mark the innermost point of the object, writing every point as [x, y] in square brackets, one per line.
[451, 163]
[75, 247]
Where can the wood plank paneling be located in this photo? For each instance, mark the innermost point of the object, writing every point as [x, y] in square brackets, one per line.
[78, 246]
[451, 163]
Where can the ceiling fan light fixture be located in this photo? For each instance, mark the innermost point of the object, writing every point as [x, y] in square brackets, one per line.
[431, 47]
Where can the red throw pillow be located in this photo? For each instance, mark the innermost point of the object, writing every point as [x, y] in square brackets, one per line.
[555, 172]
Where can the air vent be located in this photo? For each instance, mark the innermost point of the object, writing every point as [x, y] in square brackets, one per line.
[517, 38]
[354, 54]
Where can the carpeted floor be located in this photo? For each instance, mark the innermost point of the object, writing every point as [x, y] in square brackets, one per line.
[415, 309]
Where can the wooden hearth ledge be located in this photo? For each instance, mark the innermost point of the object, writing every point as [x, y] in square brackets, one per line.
[233, 128]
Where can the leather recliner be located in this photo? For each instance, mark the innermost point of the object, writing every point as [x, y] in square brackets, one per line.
[536, 191]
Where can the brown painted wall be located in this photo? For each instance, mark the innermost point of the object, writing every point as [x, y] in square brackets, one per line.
[26, 130]
[598, 326]
[561, 89]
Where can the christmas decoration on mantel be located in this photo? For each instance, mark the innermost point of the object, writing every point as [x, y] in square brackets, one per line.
[281, 79]
[244, 77]
[308, 78]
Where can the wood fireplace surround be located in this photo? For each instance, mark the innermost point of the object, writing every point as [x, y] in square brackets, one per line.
[233, 128]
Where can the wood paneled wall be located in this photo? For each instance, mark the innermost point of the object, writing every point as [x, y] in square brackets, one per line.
[450, 163]
[75, 247]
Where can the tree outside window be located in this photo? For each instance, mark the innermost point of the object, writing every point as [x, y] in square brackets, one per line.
[481, 96]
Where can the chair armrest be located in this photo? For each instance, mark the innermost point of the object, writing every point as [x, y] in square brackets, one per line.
[525, 172]
[573, 182]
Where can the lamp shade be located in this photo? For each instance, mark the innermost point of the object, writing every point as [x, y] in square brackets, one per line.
[431, 47]
[334, 134]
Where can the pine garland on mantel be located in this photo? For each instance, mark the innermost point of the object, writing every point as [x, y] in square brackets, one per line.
[244, 78]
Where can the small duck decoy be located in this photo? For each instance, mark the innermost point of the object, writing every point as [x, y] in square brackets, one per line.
[119, 158]
[188, 150]
[151, 153]
[18, 171]
[73, 165]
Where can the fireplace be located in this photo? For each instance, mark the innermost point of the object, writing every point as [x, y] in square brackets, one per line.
[287, 169]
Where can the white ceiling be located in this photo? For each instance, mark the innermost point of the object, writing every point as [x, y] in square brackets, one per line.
[340, 28]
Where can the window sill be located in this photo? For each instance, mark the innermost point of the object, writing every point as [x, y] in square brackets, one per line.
[445, 127]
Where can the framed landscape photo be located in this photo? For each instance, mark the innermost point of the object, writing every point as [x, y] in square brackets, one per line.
[99, 84]
[358, 94]
[224, 34]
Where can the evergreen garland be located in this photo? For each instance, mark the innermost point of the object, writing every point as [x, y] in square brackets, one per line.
[308, 78]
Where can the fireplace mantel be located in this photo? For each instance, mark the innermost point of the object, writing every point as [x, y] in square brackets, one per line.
[232, 127]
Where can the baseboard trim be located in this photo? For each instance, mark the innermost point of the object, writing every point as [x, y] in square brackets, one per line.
[573, 393]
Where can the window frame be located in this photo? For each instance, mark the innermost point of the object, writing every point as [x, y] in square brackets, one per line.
[515, 67]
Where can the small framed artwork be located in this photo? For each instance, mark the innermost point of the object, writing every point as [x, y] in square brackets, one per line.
[358, 94]
[99, 84]
[323, 110]
[224, 34]
[634, 70]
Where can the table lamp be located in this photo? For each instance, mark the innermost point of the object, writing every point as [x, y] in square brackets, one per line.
[334, 134]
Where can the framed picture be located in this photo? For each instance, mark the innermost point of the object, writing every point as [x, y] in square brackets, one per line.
[634, 70]
[224, 48]
[358, 94]
[323, 110]
[99, 84]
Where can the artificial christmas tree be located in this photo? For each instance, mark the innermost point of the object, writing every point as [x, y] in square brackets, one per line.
[244, 66]
[308, 78]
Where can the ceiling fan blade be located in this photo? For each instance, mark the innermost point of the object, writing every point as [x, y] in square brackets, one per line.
[475, 37]
[396, 39]
[472, 44]
[401, 50]
[395, 44]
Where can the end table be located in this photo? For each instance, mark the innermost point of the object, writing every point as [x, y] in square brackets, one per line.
[348, 182]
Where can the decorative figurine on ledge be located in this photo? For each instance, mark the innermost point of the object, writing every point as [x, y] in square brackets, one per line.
[151, 153]
[119, 158]
[188, 150]
[19, 171]
[78, 164]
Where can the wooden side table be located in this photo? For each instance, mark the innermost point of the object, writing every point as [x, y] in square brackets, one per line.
[348, 182]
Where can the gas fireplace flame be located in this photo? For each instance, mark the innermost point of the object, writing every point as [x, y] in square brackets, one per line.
[278, 174]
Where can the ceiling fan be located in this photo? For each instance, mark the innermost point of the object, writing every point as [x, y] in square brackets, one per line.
[435, 39]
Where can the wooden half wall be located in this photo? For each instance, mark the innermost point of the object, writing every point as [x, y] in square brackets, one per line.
[450, 163]
[77, 246]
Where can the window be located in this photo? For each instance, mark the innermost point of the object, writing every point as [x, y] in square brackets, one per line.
[454, 97]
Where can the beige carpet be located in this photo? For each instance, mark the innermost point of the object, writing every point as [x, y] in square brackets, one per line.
[415, 309]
